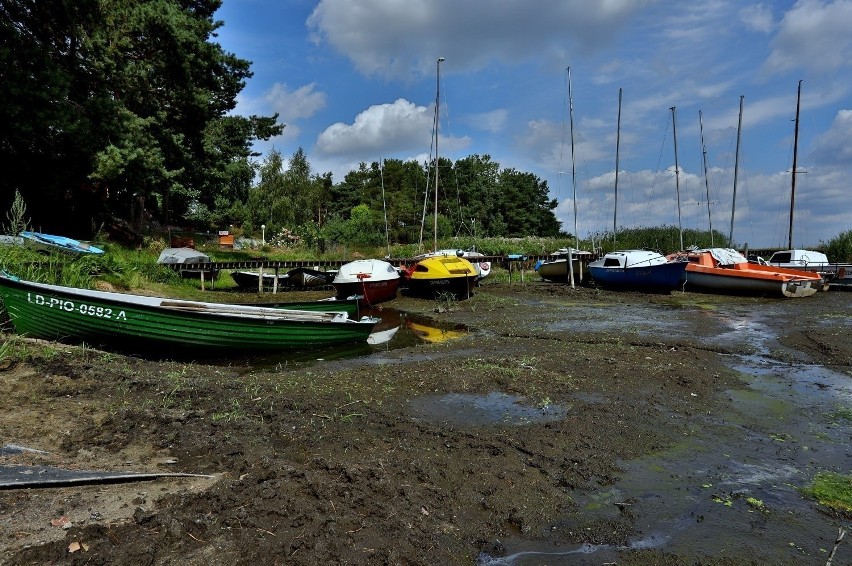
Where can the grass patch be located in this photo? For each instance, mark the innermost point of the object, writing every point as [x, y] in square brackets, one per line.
[177, 389]
[831, 490]
[480, 365]
[234, 413]
[16, 349]
[842, 414]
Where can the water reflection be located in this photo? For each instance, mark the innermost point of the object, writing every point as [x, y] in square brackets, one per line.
[395, 330]
[434, 334]
[386, 329]
[400, 330]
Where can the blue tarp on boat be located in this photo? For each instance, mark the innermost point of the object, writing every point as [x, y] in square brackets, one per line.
[50, 242]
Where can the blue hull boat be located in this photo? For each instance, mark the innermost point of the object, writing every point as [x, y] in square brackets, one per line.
[640, 270]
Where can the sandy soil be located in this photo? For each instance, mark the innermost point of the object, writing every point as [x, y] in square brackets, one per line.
[353, 461]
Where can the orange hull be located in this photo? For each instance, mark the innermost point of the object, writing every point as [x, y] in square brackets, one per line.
[704, 272]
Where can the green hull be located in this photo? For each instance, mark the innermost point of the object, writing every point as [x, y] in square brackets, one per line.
[171, 326]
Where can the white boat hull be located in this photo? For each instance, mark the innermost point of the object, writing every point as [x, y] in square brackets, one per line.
[557, 271]
[743, 285]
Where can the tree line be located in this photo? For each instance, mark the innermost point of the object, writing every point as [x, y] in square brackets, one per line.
[393, 200]
[118, 112]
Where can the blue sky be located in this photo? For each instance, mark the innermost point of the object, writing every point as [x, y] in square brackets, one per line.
[355, 81]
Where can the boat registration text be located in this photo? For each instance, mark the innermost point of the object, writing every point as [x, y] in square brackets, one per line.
[70, 306]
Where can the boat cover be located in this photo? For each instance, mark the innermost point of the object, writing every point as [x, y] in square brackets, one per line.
[726, 256]
[182, 255]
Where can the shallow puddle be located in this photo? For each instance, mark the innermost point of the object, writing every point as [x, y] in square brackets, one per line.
[468, 409]
[742, 329]
[641, 320]
[713, 493]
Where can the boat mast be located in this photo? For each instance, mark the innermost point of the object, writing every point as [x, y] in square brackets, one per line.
[573, 160]
[437, 124]
[736, 171]
[677, 176]
[384, 203]
[795, 154]
[617, 148]
[706, 179]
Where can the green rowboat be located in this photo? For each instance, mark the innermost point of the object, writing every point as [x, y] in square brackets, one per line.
[170, 326]
[332, 304]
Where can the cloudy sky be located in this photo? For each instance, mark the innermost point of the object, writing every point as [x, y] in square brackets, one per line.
[356, 81]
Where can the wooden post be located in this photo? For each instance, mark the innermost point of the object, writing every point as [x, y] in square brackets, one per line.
[275, 282]
[260, 280]
[202, 279]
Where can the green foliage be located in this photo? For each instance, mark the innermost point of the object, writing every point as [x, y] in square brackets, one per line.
[55, 267]
[665, 239]
[96, 120]
[524, 199]
[310, 235]
[393, 200]
[487, 246]
[839, 248]
[119, 267]
[287, 198]
[403, 250]
[16, 218]
[361, 229]
[142, 264]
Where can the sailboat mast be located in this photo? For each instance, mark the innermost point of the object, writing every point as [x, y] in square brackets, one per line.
[573, 160]
[736, 171]
[795, 154]
[617, 149]
[706, 179]
[384, 202]
[437, 125]
[677, 176]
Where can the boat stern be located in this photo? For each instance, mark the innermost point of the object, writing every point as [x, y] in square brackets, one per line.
[801, 288]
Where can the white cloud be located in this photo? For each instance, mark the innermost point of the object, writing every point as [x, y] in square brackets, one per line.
[813, 35]
[834, 147]
[301, 103]
[757, 17]
[471, 34]
[401, 125]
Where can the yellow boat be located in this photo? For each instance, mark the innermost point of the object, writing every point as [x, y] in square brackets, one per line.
[432, 277]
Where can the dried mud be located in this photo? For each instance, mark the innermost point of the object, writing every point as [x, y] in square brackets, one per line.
[336, 462]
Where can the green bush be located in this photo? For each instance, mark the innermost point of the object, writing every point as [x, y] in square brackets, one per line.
[839, 248]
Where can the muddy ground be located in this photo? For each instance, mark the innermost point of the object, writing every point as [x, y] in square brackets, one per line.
[362, 461]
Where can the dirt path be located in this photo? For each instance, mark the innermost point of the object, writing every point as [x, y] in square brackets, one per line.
[433, 454]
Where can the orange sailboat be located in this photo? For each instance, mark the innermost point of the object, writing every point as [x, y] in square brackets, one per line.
[724, 270]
